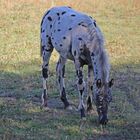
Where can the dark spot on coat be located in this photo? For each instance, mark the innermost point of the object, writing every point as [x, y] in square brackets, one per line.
[74, 53]
[69, 7]
[50, 26]
[94, 63]
[84, 25]
[58, 30]
[70, 28]
[49, 18]
[58, 22]
[58, 14]
[73, 15]
[80, 38]
[80, 23]
[47, 35]
[64, 37]
[63, 12]
[92, 54]
[58, 18]
[61, 45]
[94, 24]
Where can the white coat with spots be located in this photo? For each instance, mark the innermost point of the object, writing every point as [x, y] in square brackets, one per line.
[76, 36]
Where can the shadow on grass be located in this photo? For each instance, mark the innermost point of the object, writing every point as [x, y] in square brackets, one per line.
[21, 116]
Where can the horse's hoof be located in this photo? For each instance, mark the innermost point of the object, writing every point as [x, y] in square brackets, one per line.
[43, 107]
[68, 107]
[46, 108]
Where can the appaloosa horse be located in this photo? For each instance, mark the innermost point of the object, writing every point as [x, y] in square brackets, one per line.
[77, 37]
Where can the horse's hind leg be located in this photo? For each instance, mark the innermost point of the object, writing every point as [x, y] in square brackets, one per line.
[81, 87]
[46, 53]
[90, 88]
[60, 70]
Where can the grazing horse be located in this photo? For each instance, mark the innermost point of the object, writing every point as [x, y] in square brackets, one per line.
[77, 37]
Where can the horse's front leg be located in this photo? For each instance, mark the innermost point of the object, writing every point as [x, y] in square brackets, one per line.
[90, 88]
[81, 87]
[60, 70]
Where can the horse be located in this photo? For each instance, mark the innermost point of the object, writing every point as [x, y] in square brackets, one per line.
[76, 36]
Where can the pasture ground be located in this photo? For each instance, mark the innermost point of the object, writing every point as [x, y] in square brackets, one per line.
[20, 74]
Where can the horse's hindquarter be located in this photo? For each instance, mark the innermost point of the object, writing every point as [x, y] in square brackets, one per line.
[66, 25]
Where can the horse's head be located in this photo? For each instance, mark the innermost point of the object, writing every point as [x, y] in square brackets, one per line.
[103, 98]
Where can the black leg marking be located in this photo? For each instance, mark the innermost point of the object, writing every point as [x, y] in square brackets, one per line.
[82, 112]
[64, 99]
[89, 104]
[63, 71]
[45, 72]
[74, 53]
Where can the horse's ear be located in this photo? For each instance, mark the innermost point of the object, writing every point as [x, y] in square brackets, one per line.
[98, 83]
[111, 82]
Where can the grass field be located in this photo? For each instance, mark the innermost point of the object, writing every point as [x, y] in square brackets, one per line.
[21, 117]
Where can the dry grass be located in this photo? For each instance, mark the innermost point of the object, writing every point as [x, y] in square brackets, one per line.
[20, 78]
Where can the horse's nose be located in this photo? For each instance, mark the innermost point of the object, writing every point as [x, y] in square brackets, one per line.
[103, 119]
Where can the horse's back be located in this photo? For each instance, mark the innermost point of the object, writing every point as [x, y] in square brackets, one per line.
[62, 25]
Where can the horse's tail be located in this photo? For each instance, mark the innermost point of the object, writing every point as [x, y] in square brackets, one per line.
[42, 37]
[41, 50]
[43, 33]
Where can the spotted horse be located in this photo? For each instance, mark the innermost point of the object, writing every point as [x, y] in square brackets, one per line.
[77, 37]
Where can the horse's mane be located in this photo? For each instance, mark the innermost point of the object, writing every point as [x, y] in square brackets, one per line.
[97, 42]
